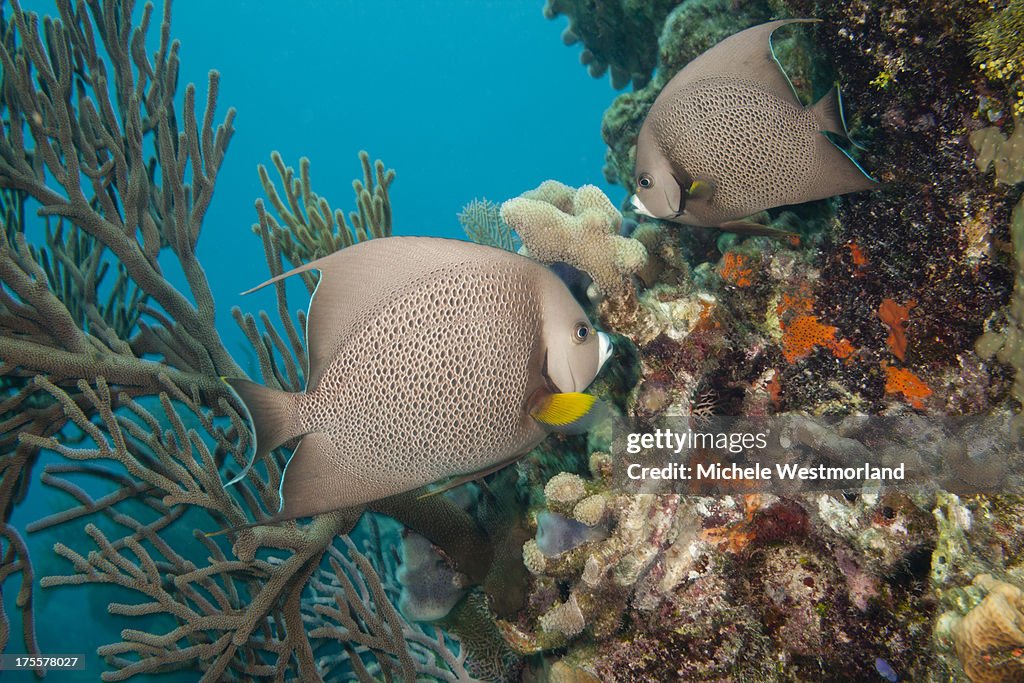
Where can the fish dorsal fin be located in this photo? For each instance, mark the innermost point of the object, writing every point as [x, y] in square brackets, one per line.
[746, 55]
[354, 279]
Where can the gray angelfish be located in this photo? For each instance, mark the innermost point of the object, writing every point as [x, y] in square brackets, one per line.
[728, 137]
[428, 358]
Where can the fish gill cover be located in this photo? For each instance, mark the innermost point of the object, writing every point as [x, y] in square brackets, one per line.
[852, 343]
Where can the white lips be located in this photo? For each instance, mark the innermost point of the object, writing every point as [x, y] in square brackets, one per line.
[605, 349]
[639, 206]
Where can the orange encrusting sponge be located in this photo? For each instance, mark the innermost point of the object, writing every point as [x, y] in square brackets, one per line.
[903, 381]
[804, 333]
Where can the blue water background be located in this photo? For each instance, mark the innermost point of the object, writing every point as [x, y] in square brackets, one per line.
[463, 98]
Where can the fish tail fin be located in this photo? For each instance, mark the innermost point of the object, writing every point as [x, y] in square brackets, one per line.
[272, 413]
[828, 112]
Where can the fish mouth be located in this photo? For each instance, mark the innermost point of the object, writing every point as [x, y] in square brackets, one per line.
[605, 349]
[640, 208]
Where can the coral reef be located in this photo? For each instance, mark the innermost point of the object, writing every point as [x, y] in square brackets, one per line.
[877, 309]
[123, 178]
[308, 228]
[559, 224]
[989, 639]
[1007, 344]
[481, 220]
[617, 35]
[896, 303]
[752, 586]
[997, 49]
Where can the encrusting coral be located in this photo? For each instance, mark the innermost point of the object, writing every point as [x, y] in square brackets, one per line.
[989, 639]
[560, 224]
[1007, 344]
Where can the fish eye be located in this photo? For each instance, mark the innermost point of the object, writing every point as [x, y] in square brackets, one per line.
[645, 181]
[581, 333]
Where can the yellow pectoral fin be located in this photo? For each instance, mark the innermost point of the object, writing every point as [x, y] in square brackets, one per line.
[559, 410]
[700, 189]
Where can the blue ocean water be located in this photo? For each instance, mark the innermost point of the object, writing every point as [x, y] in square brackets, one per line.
[463, 98]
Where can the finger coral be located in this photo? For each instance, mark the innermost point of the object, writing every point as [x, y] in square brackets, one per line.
[559, 224]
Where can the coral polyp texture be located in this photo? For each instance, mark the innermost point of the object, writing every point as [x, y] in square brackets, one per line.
[560, 224]
[989, 639]
[309, 229]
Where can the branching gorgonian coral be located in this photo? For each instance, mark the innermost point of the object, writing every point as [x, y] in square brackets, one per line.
[309, 228]
[96, 145]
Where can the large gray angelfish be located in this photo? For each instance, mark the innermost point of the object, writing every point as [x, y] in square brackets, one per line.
[428, 358]
[728, 137]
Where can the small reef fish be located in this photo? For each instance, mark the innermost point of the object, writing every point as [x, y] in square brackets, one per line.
[557, 533]
[885, 670]
[428, 358]
[727, 137]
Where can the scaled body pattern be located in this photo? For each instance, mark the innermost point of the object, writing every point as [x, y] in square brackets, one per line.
[428, 358]
[728, 137]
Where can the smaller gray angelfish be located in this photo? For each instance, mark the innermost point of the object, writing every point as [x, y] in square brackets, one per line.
[728, 137]
[428, 359]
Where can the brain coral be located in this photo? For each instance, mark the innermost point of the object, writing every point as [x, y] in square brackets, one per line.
[559, 224]
[989, 638]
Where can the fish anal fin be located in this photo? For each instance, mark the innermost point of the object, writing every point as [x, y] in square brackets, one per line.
[455, 482]
[314, 481]
[828, 113]
[838, 173]
[752, 228]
